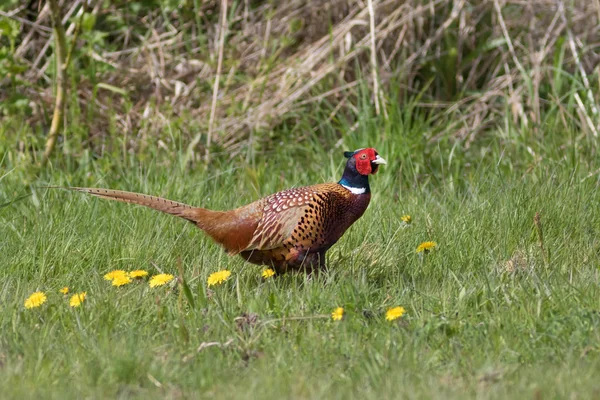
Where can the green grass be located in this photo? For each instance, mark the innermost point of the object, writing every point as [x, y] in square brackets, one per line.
[489, 313]
[472, 328]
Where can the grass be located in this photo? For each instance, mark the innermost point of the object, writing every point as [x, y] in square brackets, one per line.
[475, 149]
[487, 315]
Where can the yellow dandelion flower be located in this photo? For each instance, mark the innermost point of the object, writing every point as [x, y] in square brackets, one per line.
[394, 313]
[337, 314]
[407, 219]
[426, 247]
[216, 278]
[64, 290]
[267, 273]
[77, 299]
[121, 280]
[138, 273]
[35, 300]
[160, 279]
[114, 274]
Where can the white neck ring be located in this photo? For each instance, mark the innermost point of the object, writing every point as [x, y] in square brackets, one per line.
[355, 190]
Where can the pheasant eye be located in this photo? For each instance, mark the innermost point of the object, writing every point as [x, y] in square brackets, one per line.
[363, 156]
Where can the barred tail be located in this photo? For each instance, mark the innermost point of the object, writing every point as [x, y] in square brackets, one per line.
[224, 227]
[157, 203]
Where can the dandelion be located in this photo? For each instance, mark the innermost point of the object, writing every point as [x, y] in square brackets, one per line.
[425, 247]
[267, 273]
[160, 279]
[64, 290]
[394, 313]
[138, 273]
[115, 274]
[216, 278]
[35, 300]
[121, 280]
[337, 314]
[406, 219]
[77, 299]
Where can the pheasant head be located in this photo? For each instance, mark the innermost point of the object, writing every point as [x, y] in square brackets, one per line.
[361, 163]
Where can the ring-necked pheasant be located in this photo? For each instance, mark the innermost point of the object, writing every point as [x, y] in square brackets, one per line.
[291, 229]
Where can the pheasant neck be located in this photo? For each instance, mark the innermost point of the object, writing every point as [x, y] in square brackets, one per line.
[355, 182]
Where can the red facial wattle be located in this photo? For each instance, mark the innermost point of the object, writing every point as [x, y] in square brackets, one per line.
[363, 161]
[363, 166]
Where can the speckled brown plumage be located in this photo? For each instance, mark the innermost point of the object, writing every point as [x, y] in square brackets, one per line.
[297, 226]
[291, 229]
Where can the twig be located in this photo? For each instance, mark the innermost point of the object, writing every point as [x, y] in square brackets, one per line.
[373, 56]
[584, 77]
[588, 120]
[204, 345]
[213, 110]
[511, 49]
[26, 22]
[397, 46]
[28, 40]
[40, 73]
[438, 33]
[159, 269]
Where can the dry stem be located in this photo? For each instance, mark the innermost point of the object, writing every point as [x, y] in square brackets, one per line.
[61, 79]
[373, 56]
[213, 110]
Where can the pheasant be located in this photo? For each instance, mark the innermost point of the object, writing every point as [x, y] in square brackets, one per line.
[288, 230]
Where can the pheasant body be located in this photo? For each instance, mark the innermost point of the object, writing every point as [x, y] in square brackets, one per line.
[291, 229]
[299, 225]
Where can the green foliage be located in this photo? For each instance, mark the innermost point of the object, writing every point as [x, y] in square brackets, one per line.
[485, 314]
[15, 102]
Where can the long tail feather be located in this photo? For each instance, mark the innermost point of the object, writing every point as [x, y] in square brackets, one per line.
[226, 228]
[157, 203]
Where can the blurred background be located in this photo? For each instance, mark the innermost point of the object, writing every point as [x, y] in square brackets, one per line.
[229, 78]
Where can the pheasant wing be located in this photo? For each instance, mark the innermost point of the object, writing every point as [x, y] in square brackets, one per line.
[282, 212]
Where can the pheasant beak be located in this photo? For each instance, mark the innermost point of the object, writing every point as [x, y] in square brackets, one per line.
[379, 160]
[375, 164]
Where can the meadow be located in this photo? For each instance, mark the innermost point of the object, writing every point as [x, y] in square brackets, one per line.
[489, 314]
[486, 112]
